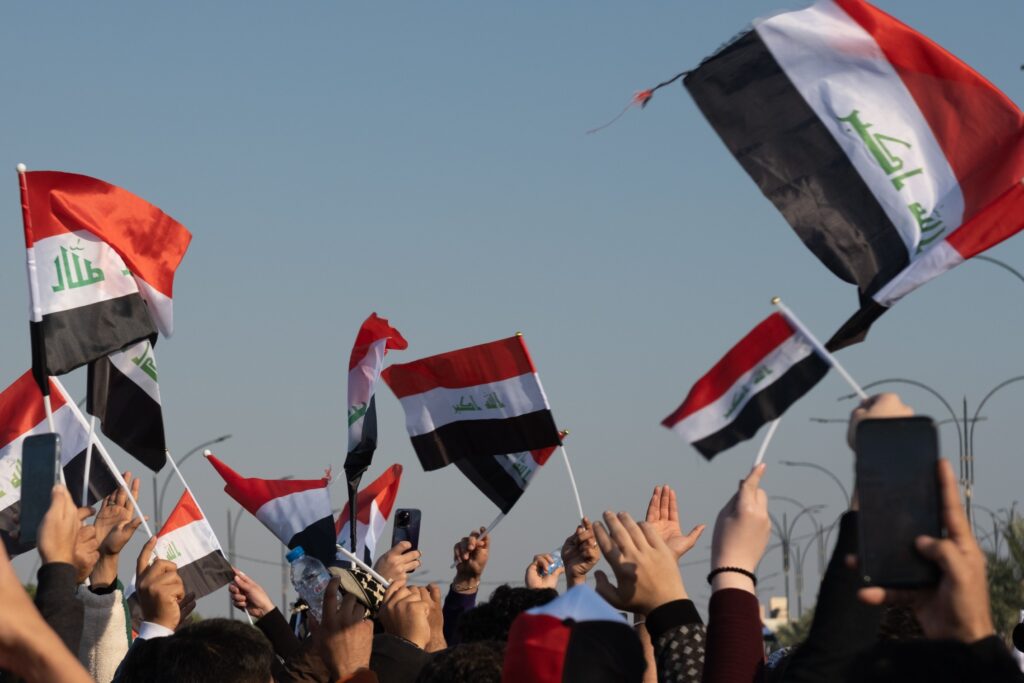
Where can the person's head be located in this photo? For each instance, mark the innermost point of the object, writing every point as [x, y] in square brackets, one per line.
[493, 619]
[212, 650]
[479, 662]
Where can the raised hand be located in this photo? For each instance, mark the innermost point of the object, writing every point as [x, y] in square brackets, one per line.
[741, 533]
[663, 517]
[580, 554]
[958, 608]
[471, 555]
[536, 572]
[115, 512]
[431, 595]
[398, 562]
[404, 614]
[646, 569]
[248, 595]
[879, 406]
[345, 638]
[87, 549]
[160, 589]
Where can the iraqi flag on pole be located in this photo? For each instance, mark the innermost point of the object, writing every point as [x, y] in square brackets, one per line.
[101, 265]
[22, 415]
[187, 540]
[373, 509]
[891, 159]
[374, 339]
[504, 478]
[479, 401]
[754, 383]
[297, 511]
[124, 395]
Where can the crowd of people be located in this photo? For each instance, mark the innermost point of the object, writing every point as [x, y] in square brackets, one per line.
[637, 624]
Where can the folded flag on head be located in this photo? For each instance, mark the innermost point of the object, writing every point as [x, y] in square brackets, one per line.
[479, 401]
[101, 265]
[22, 415]
[754, 383]
[124, 395]
[373, 508]
[504, 478]
[374, 339]
[891, 159]
[297, 511]
[187, 540]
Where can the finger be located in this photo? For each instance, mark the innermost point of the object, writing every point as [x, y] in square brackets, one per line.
[944, 553]
[753, 480]
[636, 534]
[887, 596]
[350, 610]
[402, 546]
[605, 588]
[134, 485]
[694, 535]
[952, 511]
[654, 507]
[667, 500]
[619, 533]
[435, 593]
[143, 561]
[395, 591]
[330, 607]
[85, 513]
[604, 541]
[134, 524]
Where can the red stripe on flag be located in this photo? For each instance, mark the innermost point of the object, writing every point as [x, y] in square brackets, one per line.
[373, 329]
[21, 407]
[384, 490]
[184, 513]
[1002, 219]
[741, 359]
[980, 130]
[469, 367]
[252, 493]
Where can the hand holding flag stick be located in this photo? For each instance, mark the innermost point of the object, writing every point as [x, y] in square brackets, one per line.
[359, 563]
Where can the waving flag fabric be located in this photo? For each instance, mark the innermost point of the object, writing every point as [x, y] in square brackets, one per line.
[754, 383]
[373, 508]
[124, 395]
[374, 339]
[187, 540]
[21, 416]
[101, 265]
[479, 401]
[875, 143]
[298, 512]
[504, 478]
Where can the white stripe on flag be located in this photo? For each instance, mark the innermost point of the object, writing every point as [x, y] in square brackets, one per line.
[429, 410]
[361, 380]
[929, 265]
[367, 536]
[839, 70]
[717, 415]
[81, 250]
[295, 512]
[130, 361]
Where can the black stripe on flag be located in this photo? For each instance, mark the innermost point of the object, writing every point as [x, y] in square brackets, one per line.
[855, 330]
[127, 414]
[796, 162]
[766, 405]
[477, 438]
[71, 338]
[359, 458]
[318, 540]
[493, 480]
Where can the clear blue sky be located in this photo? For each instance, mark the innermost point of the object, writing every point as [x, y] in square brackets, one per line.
[428, 161]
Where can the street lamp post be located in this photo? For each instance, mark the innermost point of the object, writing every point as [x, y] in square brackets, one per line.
[158, 499]
[785, 533]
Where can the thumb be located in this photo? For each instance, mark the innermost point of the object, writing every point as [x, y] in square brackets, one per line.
[605, 588]
[143, 562]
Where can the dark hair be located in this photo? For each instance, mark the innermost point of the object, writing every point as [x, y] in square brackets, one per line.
[212, 650]
[899, 623]
[493, 619]
[479, 662]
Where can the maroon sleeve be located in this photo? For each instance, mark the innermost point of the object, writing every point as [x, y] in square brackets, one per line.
[735, 647]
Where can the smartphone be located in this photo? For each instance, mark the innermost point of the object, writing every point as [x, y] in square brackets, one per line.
[898, 489]
[407, 527]
[40, 470]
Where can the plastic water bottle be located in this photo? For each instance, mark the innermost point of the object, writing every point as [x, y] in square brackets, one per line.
[310, 579]
[556, 562]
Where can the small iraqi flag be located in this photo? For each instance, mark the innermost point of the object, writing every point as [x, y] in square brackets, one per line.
[504, 478]
[892, 160]
[754, 383]
[187, 540]
[297, 511]
[373, 505]
[124, 395]
[22, 415]
[101, 265]
[479, 401]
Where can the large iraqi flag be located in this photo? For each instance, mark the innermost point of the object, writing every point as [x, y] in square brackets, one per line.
[101, 265]
[373, 509]
[479, 401]
[297, 511]
[754, 383]
[892, 160]
[22, 415]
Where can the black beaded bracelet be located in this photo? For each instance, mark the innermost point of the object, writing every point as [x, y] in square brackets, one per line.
[738, 570]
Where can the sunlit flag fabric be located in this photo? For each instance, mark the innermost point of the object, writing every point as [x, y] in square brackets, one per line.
[754, 383]
[479, 401]
[876, 144]
[373, 506]
[374, 339]
[504, 478]
[22, 415]
[124, 395]
[101, 265]
[187, 540]
[297, 511]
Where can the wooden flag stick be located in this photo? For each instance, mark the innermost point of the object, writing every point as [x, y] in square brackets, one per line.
[767, 440]
[818, 347]
[352, 556]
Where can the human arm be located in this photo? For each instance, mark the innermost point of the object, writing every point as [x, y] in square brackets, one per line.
[345, 637]
[470, 556]
[115, 524]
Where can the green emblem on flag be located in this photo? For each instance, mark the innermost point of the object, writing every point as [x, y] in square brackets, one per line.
[70, 273]
[759, 376]
[147, 363]
[492, 402]
[16, 477]
[172, 552]
[356, 412]
[464, 406]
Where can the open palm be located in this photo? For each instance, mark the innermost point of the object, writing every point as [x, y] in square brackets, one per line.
[663, 517]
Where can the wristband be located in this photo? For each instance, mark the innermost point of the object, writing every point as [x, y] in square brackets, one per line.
[738, 570]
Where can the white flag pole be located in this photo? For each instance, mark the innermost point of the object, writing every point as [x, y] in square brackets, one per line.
[818, 347]
[88, 462]
[767, 440]
[107, 460]
[487, 531]
[572, 480]
[352, 556]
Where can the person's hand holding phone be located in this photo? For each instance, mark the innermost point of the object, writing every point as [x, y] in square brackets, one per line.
[59, 529]
[398, 562]
[958, 608]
